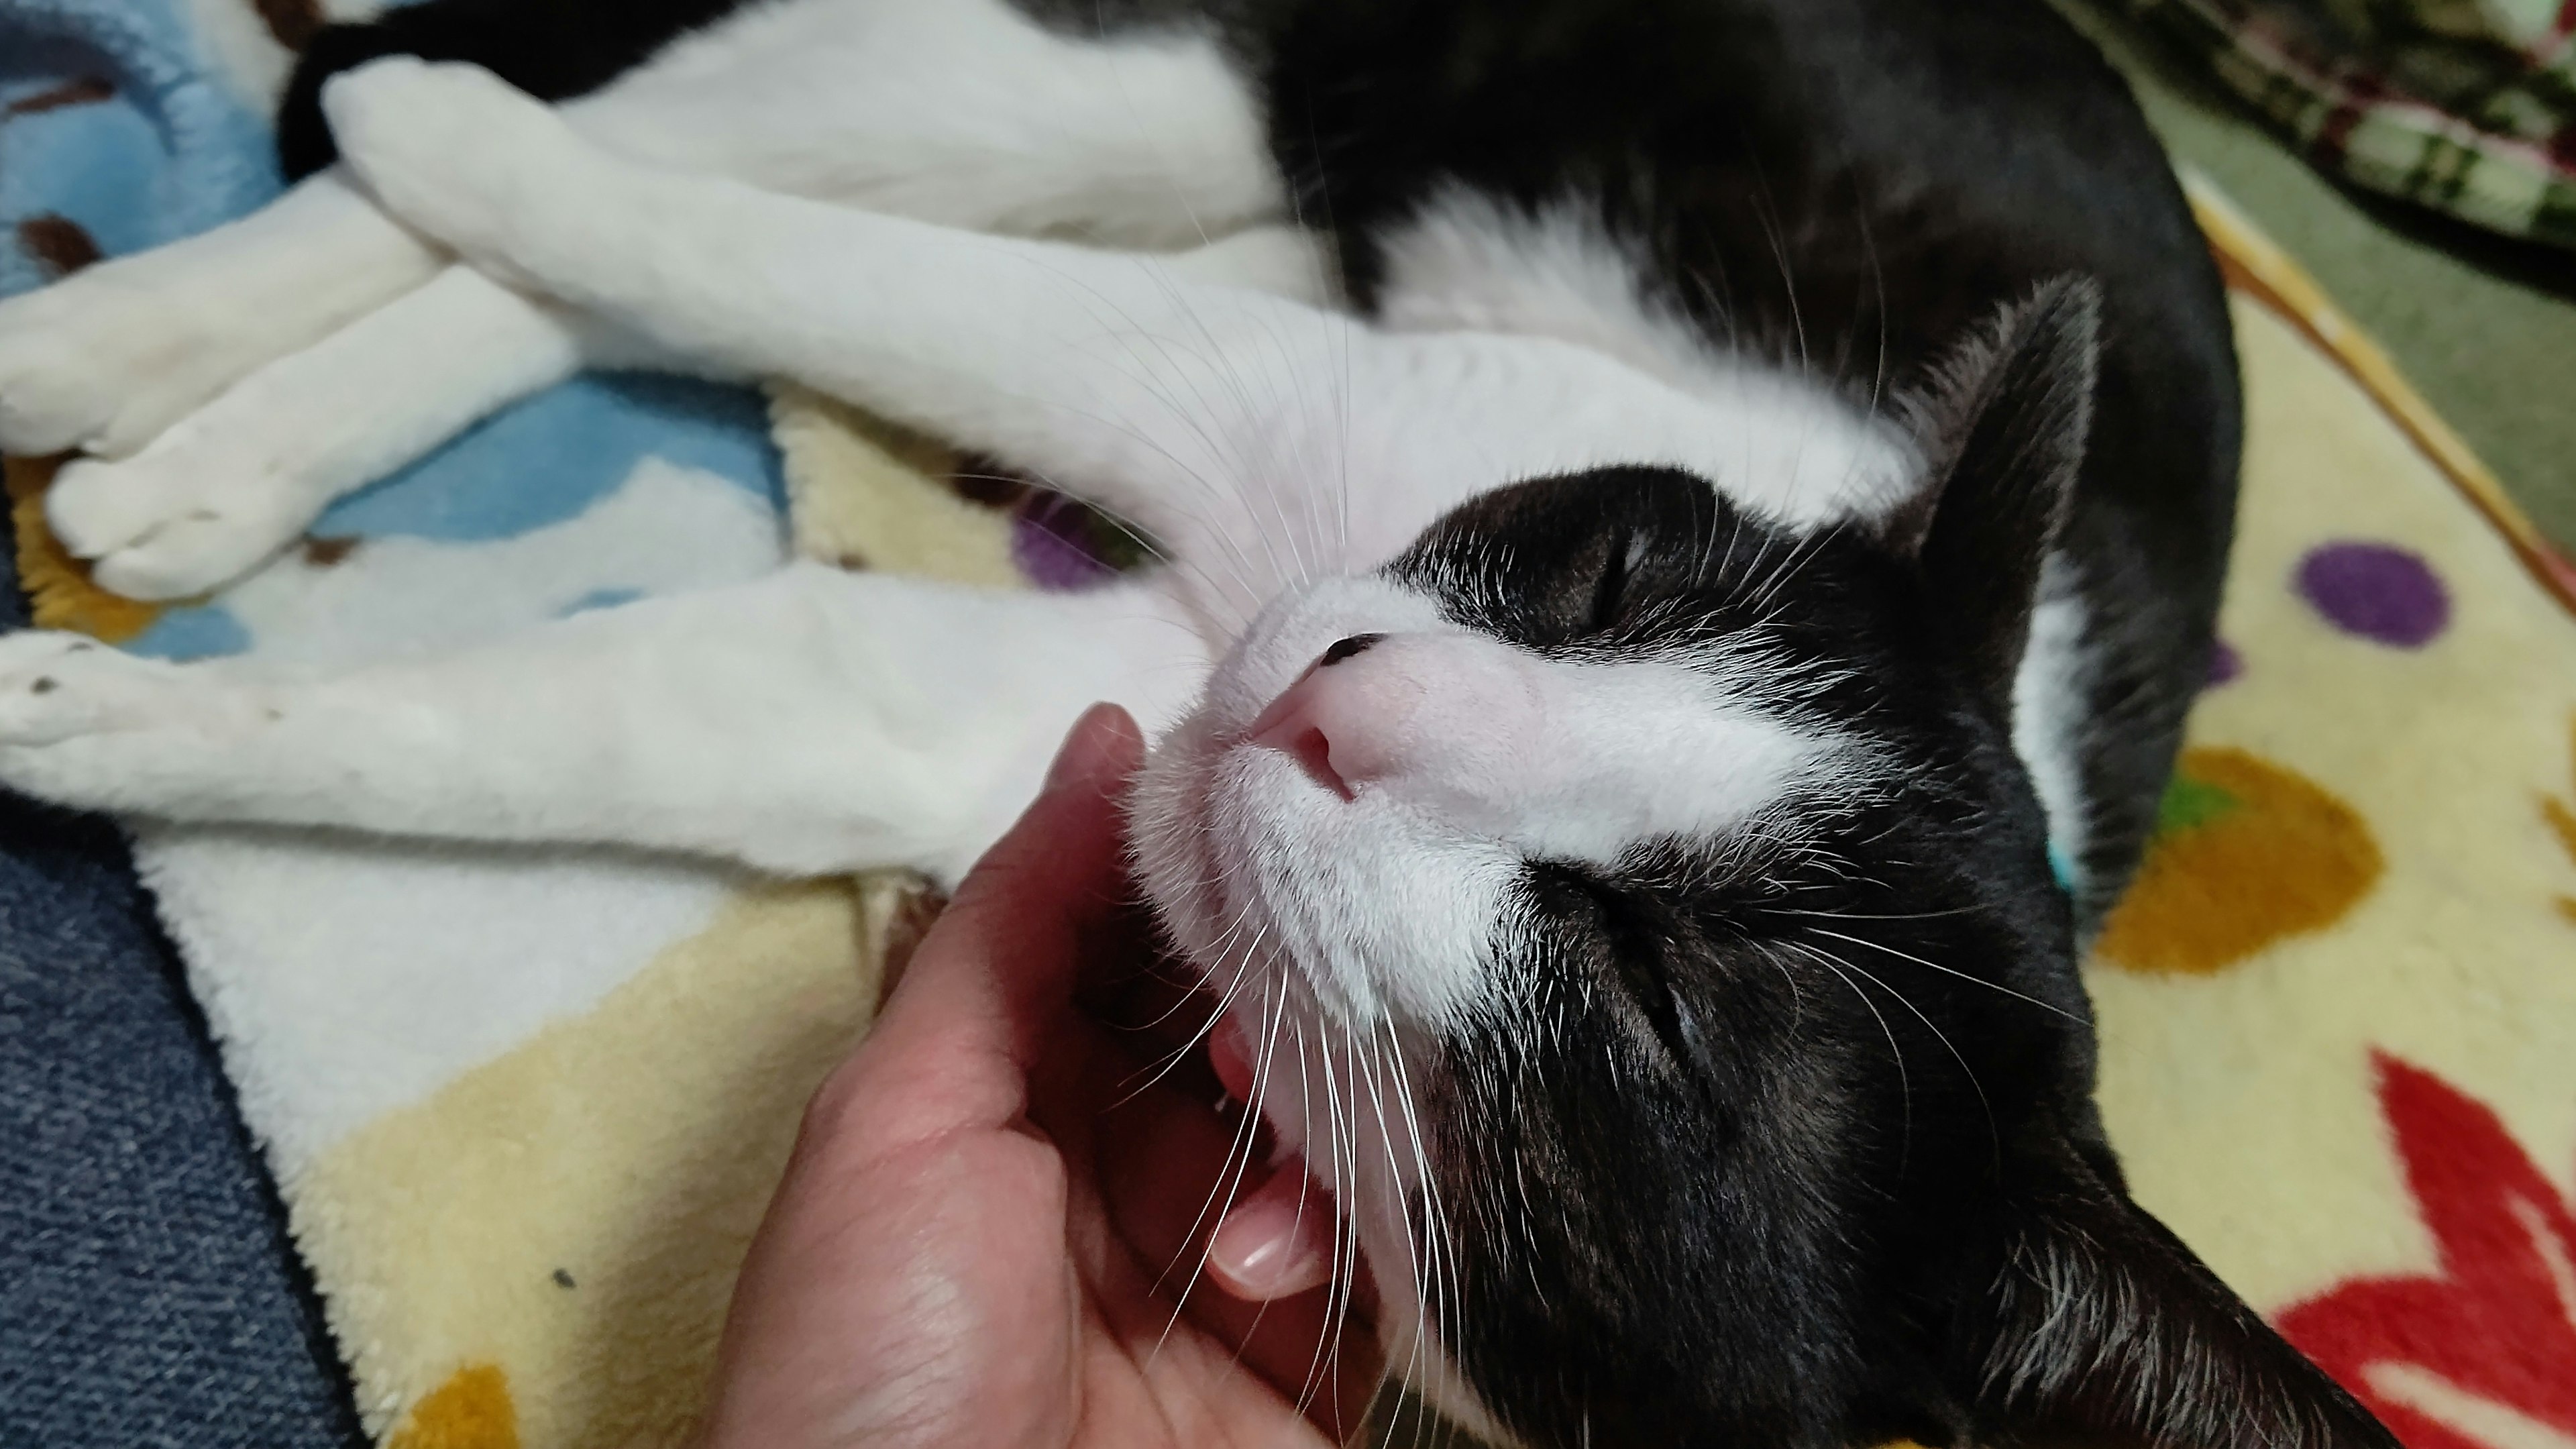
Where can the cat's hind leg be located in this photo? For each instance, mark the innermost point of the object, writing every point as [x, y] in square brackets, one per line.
[809, 722]
[107, 358]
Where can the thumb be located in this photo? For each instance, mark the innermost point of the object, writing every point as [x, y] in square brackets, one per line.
[987, 986]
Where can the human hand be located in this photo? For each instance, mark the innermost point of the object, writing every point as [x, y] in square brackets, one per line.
[982, 1230]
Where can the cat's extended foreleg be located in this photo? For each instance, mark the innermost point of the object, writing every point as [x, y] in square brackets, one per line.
[230, 484]
[107, 358]
[813, 721]
[1176, 404]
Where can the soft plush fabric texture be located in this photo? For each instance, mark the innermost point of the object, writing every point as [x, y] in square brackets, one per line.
[351, 983]
[2465, 106]
[2338, 1024]
[147, 1295]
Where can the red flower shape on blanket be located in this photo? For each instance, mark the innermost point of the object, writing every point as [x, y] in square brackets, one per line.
[2484, 1355]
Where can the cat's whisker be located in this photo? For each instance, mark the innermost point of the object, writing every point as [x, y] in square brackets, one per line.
[1904, 1079]
[1342, 1127]
[1440, 1264]
[1172, 1061]
[1274, 1014]
[1222, 1197]
[1225, 363]
[1993, 1130]
[1953, 971]
[1219, 445]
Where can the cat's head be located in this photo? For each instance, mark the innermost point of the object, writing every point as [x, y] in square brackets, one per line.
[1641, 918]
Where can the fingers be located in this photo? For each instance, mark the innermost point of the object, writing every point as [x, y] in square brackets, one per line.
[1276, 1242]
[1167, 1167]
[987, 988]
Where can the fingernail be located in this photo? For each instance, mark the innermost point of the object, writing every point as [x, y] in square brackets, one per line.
[1276, 1243]
[1081, 750]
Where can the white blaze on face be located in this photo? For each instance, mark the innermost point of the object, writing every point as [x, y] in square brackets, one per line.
[1369, 817]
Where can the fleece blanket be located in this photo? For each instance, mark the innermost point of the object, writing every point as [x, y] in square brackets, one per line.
[524, 1107]
[461, 1182]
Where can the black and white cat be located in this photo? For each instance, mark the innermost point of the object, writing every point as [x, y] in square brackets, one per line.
[1621, 680]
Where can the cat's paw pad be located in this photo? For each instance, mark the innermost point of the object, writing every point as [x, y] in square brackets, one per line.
[54, 687]
[450, 148]
[174, 523]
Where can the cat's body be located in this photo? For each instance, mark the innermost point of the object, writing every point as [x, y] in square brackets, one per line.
[1617, 695]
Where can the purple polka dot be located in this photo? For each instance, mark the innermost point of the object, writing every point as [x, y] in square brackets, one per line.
[2224, 664]
[2377, 591]
[1047, 544]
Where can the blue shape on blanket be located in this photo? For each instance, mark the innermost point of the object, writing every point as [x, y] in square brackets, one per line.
[174, 148]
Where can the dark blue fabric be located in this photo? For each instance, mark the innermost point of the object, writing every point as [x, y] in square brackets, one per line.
[148, 1294]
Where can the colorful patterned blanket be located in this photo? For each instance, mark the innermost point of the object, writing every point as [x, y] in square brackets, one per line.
[524, 1107]
[2465, 106]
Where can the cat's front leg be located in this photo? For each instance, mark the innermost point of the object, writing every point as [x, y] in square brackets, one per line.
[105, 359]
[810, 722]
[1205, 414]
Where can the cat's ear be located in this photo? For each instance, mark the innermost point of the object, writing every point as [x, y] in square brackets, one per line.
[2003, 425]
[2089, 1323]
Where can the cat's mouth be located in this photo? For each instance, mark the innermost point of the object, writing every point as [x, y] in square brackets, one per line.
[1275, 888]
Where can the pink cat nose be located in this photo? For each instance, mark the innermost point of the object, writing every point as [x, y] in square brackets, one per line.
[1333, 725]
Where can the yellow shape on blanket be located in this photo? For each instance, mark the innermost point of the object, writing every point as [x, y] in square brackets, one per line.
[472, 1410]
[867, 494]
[57, 585]
[577, 1208]
[2248, 853]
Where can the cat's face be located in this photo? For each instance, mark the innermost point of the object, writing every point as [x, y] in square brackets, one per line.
[1637, 916]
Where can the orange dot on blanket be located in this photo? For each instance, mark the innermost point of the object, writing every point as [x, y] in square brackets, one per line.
[472, 1410]
[2245, 853]
[57, 585]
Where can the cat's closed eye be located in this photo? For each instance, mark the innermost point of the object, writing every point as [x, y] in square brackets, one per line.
[1609, 939]
[1621, 554]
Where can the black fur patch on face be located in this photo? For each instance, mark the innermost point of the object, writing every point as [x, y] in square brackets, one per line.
[1765, 1133]
[1685, 1165]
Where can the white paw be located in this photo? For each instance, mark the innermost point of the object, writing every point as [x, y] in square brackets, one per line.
[96, 362]
[54, 687]
[450, 148]
[177, 521]
[92, 727]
